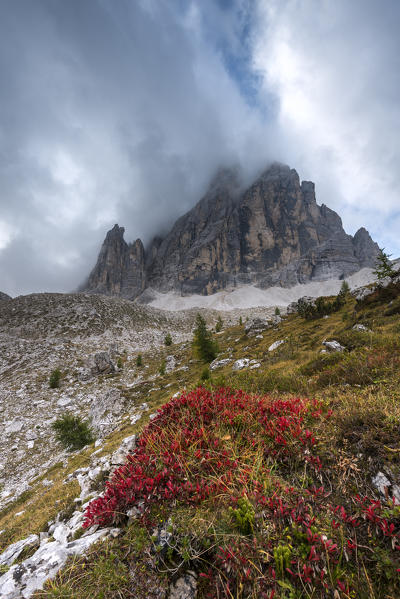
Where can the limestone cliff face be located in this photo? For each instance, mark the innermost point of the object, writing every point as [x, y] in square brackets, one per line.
[120, 267]
[273, 233]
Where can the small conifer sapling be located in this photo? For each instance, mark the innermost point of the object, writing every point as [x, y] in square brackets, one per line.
[205, 347]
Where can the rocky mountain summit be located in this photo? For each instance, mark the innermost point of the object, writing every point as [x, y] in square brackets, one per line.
[271, 233]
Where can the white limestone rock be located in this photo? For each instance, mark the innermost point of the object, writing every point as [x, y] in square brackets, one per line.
[219, 363]
[361, 327]
[22, 580]
[8, 557]
[241, 364]
[276, 344]
[333, 346]
[127, 446]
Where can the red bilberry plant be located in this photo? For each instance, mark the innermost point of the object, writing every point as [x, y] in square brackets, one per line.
[233, 454]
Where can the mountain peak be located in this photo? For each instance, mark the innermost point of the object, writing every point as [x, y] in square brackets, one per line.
[272, 233]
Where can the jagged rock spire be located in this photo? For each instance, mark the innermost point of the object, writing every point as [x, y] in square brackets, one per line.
[272, 233]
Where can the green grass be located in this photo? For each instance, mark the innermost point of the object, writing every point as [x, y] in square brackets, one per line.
[360, 386]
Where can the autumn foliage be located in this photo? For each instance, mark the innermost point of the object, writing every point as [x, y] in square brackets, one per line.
[255, 461]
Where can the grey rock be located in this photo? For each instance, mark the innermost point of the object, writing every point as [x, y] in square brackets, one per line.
[106, 411]
[47, 483]
[219, 363]
[255, 326]
[170, 363]
[102, 364]
[361, 327]
[276, 344]
[185, 587]
[4, 297]
[136, 511]
[306, 300]
[14, 427]
[24, 579]
[361, 293]
[364, 248]
[270, 233]
[63, 402]
[382, 483]
[333, 346]
[386, 488]
[61, 533]
[241, 364]
[120, 267]
[395, 490]
[292, 308]
[163, 534]
[127, 446]
[12, 553]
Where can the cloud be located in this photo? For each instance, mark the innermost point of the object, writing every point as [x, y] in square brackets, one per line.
[113, 112]
[335, 68]
[122, 111]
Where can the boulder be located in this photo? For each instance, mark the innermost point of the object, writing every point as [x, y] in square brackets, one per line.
[219, 363]
[361, 327]
[127, 446]
[382, 483]
[306, 300]
[276, 344]
[102, 364]
[12, 553]
[333, 346]
[22, 580]
[170, 363]
[240, 364]
[15, 426]
[106, 412]
[254, 364]
[255, 326]
[62, 533]
[185, 587]
[361, 293]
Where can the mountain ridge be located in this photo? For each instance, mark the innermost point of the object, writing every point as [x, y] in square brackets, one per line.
[272, 232]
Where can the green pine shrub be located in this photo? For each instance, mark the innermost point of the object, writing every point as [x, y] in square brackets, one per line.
[73, 432]
[205, 347]
[55, 377]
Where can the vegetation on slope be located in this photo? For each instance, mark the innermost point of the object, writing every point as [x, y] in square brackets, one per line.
[266, 491]
[250, 499]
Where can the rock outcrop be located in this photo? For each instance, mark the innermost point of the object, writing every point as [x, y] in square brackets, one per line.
[120, 268]
[4, 296]
[272, 233]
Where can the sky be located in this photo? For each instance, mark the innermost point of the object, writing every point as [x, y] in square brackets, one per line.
[120, 111]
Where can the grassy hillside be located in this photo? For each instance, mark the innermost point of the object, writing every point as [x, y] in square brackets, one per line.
[257, 481]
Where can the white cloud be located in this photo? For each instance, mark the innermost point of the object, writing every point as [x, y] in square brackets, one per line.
[122, 111]
[7, 233]
[337, 88]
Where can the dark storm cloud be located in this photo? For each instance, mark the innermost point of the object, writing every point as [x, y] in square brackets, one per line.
[111, 112]
[121, 111]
